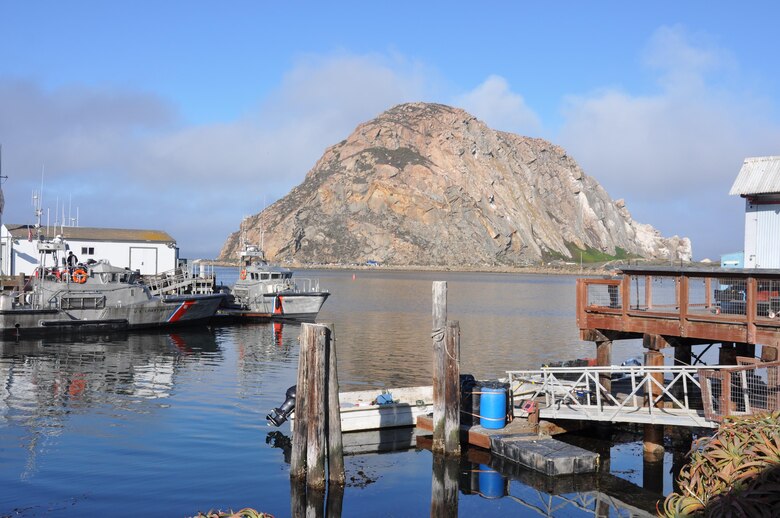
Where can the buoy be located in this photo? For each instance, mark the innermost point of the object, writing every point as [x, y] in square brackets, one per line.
[353, 276]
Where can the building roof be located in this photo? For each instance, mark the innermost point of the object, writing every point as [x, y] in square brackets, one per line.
[759, 175]
[96, 234]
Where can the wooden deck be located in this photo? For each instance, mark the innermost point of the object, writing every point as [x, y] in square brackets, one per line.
[686, 305]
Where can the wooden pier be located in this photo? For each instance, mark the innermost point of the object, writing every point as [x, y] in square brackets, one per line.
[682, 307]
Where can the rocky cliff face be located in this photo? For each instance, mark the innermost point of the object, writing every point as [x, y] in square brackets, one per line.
[430, 185]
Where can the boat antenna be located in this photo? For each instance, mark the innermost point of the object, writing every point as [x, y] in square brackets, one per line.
[262, 227]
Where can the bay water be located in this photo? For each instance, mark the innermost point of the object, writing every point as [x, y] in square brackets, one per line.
[172, 423]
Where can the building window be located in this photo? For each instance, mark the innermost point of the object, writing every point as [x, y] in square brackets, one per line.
[87, 250]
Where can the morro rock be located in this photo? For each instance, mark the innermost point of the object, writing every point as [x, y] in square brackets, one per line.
[430, 185]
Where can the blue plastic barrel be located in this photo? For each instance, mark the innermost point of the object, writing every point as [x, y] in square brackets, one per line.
[492, 406]
[491, 483]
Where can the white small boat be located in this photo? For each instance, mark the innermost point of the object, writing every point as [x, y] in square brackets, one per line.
[385, 408]
[382, 408]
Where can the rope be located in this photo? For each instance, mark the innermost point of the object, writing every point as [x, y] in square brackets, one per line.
[438, 336]
[483, 417]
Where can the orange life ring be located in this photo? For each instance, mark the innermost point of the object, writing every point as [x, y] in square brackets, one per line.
[243, 275]
[79, 276]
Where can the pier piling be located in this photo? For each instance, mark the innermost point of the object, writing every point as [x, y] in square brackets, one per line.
[317, 429]
[439, 363]
[654, 434]
[336, 474]
[446, 376]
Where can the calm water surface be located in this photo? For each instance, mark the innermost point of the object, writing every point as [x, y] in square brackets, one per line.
[169, 424]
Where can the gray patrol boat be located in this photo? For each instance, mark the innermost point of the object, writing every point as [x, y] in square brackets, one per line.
[92, 297]
[268, 292]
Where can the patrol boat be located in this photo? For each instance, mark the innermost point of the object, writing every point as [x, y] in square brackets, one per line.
[92, 297]
[268, 292]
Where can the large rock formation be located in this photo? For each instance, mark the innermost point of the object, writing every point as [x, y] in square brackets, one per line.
[430, 185]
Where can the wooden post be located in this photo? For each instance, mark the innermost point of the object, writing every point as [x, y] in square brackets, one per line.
[439, 366]
[315, 408]
[300, 430]
[727, 354]
[654, 434]
[452, 389]
[604, 358]
[682, 355]
[336, 474]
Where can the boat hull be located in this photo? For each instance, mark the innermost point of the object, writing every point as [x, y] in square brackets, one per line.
[154, 313]
[359, 414]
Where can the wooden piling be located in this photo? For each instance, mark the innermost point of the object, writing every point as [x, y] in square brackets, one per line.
[300, 430]
[317, 430]
[653, 434]
[604, 358]
[336, 473]
[439, 364]
[315, 407]
[452, 389]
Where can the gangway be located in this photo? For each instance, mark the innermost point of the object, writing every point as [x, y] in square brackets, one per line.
[658, 395]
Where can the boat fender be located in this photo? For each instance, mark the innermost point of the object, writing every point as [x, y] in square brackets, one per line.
[243, 275]
[79, 276]
[281, 414]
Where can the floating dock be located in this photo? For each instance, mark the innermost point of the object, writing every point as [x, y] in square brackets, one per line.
[521, 443]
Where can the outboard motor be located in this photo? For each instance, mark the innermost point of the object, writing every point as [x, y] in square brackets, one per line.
[280, 415]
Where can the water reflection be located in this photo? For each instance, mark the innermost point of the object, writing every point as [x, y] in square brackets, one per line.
[526, 492]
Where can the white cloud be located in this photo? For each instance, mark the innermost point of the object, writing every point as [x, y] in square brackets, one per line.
[674, 154]
[126, 160]
[499, 107]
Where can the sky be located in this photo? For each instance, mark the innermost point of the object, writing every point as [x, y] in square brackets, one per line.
[189, 116]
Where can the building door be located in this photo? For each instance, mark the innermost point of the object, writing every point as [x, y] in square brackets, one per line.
[768, 236]
[143, 259]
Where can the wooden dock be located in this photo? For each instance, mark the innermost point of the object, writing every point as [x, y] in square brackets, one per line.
[523, 443]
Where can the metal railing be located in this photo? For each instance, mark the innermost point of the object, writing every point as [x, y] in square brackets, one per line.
[674, 395]
[180, 281]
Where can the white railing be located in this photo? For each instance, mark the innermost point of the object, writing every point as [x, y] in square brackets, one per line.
[644, 394]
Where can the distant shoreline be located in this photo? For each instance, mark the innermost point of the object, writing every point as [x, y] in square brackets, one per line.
[589, 270]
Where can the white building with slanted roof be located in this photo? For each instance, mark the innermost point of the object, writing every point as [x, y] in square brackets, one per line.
[149, 251]
[758, 182]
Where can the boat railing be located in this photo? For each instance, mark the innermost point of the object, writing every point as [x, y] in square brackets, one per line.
[304, 284]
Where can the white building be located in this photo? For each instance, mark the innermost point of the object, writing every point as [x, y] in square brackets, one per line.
[759, 183]
[150, 251]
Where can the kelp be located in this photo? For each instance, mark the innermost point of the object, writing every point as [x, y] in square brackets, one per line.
[735, 472]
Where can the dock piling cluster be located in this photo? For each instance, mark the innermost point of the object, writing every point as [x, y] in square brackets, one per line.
[316, 442]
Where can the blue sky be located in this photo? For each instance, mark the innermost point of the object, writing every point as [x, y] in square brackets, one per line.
[188, 116]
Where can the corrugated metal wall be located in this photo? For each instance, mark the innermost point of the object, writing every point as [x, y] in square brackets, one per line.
[767, 235]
